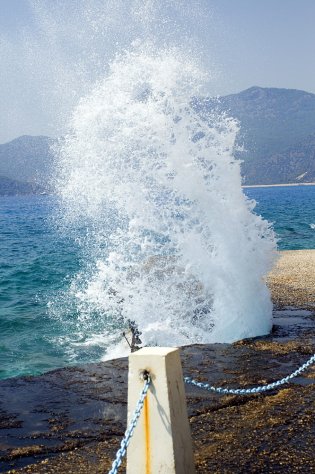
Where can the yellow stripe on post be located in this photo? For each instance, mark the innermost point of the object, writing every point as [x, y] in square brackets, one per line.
[147, 435]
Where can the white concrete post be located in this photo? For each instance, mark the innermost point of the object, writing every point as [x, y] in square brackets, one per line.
[161, 443]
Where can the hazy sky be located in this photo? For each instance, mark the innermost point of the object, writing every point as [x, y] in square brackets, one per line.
[52, 51]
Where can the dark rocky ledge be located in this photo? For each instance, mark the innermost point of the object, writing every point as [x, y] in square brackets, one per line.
[72, 419]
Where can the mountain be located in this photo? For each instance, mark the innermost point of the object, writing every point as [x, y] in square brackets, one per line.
[277, 128]
[27, 159]
[295, 164]
[276, 139]
[11, 187]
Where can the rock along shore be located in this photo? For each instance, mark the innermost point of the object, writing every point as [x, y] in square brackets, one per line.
[72, 419]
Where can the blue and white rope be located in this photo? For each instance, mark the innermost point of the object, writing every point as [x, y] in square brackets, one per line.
[129, 432]
[246, 391]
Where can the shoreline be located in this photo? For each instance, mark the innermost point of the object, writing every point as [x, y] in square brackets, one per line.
[276, 185]
[292, 279]
[73, 419]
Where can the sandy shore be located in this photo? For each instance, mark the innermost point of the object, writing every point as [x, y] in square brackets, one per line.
[276, 185]
[292, 281]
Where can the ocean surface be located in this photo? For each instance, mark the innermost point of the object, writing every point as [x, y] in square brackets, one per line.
[39, 329]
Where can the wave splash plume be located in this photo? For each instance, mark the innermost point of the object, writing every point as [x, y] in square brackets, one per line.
[171, 241]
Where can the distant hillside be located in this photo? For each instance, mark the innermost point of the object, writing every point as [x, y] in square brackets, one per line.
[277, 133]
[27, 159]
[295, 164]
[11, 187]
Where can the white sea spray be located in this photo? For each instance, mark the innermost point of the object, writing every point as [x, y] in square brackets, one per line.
[171, 242]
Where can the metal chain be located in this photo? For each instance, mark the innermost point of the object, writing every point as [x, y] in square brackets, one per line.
[261, 388]
[129, 432]
[235, 391]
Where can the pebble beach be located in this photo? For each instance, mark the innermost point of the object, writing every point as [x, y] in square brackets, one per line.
[292, 281]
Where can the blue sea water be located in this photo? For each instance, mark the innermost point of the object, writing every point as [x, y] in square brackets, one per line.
[291, 209]
[37, 264]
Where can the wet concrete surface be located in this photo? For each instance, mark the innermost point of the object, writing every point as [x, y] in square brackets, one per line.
[72, 419]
